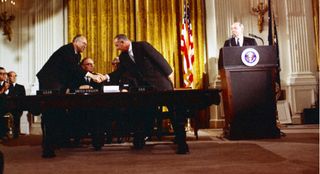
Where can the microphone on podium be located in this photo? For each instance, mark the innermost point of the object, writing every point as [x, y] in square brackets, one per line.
[232, 36]
[255, 36]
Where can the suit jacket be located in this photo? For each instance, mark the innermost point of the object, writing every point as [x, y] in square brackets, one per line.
[17, 90]
[247, 41]
[149, 68]
[61, 70]
[83, 81]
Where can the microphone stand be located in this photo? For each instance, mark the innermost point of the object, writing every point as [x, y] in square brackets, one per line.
[252, 35]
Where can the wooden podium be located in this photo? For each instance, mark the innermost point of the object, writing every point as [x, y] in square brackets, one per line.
[248, 89]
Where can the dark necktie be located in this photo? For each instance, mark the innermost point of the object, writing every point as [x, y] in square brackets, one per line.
[11, 90]
[238, 42]
[87, 79]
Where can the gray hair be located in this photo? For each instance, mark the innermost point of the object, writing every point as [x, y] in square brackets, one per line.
[121, 37]
[77, 37]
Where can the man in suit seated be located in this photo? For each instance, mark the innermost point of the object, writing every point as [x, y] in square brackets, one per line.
[237, 37]
[15, 89]
[99, 120]
[4, 90]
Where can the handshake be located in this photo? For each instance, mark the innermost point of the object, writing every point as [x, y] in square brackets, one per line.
[98, 77]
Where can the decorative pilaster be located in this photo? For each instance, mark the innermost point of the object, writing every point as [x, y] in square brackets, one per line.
[301, 80]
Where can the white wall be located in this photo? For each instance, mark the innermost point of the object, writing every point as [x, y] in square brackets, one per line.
[38, 30]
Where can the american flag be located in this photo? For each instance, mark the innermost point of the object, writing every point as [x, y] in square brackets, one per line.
[187, 47]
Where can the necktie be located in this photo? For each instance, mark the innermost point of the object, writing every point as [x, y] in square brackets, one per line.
[11, 89]
[87, 79]
[238, 42]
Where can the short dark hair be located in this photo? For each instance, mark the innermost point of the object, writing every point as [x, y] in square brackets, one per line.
[121, 37]
[75, 38]
[2, 68]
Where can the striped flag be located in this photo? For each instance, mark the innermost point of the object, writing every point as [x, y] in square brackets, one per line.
[186, 46]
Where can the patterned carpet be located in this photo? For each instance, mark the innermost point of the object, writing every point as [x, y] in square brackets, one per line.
[297, 152]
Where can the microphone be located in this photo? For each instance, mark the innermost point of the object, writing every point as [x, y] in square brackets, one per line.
[232, 36]
[255, 36]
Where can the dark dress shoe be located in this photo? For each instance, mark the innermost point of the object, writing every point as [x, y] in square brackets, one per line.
[15, 136]
[148, 138]
[97, 148]
[48, 154]
[138, 142]
[119, 140]
[108, 140]
[182, 149]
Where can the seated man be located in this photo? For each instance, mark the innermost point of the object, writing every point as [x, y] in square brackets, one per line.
[4, 90]
[15, 89]
[81, 117]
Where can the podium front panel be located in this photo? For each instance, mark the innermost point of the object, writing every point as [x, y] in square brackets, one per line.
[249, 93]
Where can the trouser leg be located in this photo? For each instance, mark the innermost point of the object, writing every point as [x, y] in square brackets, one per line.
[97, 130]
[48, 138]
[16, 124]
[179, 121]
[3, 126]
[52, 131]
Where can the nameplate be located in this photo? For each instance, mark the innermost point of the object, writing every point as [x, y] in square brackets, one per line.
[86, 91]
[48, 92]
[141, 89]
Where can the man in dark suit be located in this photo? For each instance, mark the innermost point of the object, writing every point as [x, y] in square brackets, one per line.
[88, 120]
[15, 89]
[237, 37]
[149, 69]
[4, 90]
[59, 73]
[1, 163]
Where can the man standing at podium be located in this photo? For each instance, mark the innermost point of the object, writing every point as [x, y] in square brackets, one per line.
[237, 38]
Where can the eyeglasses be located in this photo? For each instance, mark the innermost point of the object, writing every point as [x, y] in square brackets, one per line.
[2, 73]
[89, 64]
[84, 43]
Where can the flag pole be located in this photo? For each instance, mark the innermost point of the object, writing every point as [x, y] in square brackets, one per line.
[270, 38]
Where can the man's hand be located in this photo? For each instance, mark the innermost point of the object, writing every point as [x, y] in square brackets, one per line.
[97, 77]
[5, 87]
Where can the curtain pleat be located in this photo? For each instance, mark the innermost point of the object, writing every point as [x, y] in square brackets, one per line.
[155, 21]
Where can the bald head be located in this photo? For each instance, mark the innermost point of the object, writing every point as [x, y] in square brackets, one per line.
[80, 43]
[87, 64]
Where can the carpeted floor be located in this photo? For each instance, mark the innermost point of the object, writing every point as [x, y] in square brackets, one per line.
[296, 152]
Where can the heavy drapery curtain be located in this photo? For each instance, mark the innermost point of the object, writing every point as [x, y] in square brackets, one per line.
[155, 21]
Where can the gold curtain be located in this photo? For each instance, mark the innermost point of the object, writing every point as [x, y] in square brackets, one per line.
[154, 21]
